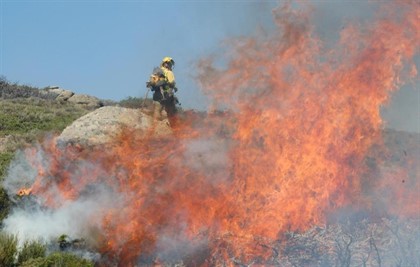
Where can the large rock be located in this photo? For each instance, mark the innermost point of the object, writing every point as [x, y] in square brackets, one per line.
[62, 94]
[100, 126]
[85, 101]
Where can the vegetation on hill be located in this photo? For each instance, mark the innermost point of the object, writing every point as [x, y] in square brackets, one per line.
[13, 90]
[29, 117]
[27, 114]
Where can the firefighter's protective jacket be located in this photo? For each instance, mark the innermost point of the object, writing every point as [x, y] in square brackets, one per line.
[162, 78]
[170, 78]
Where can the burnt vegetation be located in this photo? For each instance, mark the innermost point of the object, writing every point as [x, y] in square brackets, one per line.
[389, 242]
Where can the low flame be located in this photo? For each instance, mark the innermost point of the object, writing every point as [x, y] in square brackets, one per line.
[24, 192]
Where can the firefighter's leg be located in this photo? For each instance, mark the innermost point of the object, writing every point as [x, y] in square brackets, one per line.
[157, 110]
[162, 92]
[170, 107]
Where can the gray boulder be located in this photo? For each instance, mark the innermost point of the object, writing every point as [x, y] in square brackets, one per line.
[86, 101]
[62, 94]
[101, 126]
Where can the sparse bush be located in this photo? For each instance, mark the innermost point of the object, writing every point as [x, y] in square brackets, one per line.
[31, 250]
[8, 249]
[133, 102]
[10, 91]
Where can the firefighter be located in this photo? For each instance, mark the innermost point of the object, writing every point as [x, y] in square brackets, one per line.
[162, 84]
[166, 66]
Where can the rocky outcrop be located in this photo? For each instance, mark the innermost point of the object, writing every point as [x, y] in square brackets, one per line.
[85, 101]
[62, 94]
[102, 125]
[82, 100]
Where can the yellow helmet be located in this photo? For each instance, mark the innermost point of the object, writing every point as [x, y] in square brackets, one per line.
[168, 60]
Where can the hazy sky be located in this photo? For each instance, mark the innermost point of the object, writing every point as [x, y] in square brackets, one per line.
[108, 48]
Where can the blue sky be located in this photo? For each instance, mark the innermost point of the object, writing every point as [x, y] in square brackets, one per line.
[108, 48]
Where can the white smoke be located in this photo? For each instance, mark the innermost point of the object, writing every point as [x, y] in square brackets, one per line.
[21, 173]
[176, 248]
[30, 217]
[209, 155]
[74, 219]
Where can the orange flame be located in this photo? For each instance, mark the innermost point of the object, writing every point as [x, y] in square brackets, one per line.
[292, 152]
[24, 192]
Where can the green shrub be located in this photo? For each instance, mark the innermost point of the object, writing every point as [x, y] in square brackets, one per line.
[33, 253]
[58, 259]
[37, 262]
[21, 116]
[31, 250]
[8, 249]
[61, 259]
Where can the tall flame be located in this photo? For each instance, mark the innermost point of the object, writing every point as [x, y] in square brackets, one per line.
[289, 150]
